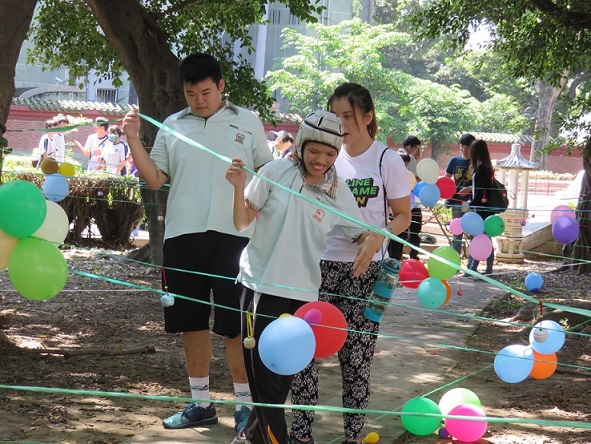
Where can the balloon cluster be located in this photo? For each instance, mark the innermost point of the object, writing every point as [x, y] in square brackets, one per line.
[433, 290]
[455, 402]
[56, 185]
[482, 231]
[432, 187]
[30, 228]
[565, 228]
[516, 362]
[288, 344]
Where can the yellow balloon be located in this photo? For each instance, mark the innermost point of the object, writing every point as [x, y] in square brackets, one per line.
[412, 180]
[7, 243]
[371, 438]
[284, 315]
[66, 169]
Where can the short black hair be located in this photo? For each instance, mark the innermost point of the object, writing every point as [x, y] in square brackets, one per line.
[198, 67]
[467, 139]
[411, 141]
[102, 121]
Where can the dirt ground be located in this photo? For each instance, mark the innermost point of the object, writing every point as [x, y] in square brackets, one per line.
[93, 317]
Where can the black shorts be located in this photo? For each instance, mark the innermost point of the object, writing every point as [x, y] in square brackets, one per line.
[212, 253]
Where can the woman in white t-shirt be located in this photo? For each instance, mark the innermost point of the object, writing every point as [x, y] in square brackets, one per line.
[379, 180]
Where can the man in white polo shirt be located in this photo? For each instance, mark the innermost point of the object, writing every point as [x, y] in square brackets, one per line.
[199, 233]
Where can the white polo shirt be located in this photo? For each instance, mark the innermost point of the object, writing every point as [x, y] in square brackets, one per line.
[200, 197]
[290, 233]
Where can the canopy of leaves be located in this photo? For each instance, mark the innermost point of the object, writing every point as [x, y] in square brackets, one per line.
[68, 33]
[355, 52]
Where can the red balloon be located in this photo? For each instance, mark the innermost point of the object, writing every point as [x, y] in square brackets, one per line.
[331, 329]
[412, 273]
[447, 187]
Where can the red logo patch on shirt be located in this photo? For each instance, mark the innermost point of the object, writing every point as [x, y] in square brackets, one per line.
[319, 216]
[239, 138]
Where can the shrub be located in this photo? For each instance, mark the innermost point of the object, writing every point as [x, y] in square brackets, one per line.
[112, 204]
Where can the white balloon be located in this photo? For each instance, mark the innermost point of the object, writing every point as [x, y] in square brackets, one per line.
[55, 226]
[428, 170]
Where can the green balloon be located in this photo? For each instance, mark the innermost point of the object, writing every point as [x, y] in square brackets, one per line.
[494, 225]
[23, 208]
[421, 425]
[37, 269]
[439, 269]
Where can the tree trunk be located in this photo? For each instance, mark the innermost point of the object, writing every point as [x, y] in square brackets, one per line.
[547, 96]
[581, 251]
[437, 149]
[143, 49]
[15, 19]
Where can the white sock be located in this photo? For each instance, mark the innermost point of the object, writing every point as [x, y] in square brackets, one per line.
[242, 391]
[200, 389]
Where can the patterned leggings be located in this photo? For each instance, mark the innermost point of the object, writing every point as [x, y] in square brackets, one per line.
[339, 287]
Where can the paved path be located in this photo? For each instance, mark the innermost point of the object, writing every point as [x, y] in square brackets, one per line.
[408, 362]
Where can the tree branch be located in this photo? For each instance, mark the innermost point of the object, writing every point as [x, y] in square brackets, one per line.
[573, 19]
[579, 78]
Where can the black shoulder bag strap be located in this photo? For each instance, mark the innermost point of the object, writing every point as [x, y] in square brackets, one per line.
[384, 188]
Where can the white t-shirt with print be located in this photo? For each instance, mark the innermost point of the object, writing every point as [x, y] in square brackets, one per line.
[362, 174]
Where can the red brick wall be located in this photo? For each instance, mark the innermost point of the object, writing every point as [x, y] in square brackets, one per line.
[23, 118]
[558, 161]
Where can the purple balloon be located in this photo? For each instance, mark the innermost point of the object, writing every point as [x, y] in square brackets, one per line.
[313, 316]
[565, 230]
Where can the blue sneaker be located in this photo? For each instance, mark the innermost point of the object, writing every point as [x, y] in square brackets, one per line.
[191, 416]
[241, 418]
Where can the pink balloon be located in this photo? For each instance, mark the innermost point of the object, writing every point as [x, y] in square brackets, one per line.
[562, 210]
[455, 226]
[466, 430]
[480, 247]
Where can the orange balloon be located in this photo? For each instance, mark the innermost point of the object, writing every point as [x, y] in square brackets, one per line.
[448, 292]
[544, 365]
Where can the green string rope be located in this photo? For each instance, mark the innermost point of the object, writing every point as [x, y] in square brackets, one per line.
[324, 408]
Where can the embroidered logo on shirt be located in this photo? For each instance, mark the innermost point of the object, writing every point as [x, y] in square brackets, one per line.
[239, 138]
[319, 215]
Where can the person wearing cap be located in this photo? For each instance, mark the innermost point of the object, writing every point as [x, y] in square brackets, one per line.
[378, 178]
[300, 240]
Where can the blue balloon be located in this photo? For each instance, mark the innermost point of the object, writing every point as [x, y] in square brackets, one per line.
[432, 293]
[549, 343]
[534, 282]
[287, 345]
[429, 194]
[472, 224]
[514, 363]
[56, 187]
[418, 187]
